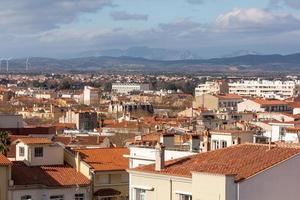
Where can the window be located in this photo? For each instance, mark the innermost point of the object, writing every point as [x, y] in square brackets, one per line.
[26, 197]
[223, 144]
[79, 196]
[57, 197]
[140, 194]
[21, 151]
[185, 197]
[38, 152]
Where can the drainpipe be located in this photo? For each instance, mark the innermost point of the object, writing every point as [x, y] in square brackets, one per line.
[238, 191]
[171, 188]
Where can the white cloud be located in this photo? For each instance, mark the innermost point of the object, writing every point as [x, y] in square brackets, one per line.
[125, 16]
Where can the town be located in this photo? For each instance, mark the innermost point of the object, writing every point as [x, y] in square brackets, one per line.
[118, 137]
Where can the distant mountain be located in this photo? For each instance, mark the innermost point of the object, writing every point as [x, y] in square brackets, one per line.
[145, 52]
[240, 53]
[273, 62]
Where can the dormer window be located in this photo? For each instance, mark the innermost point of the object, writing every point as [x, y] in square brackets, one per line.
[38, 152]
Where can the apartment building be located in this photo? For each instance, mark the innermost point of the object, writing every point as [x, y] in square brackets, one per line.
[264, 88]
[263, 105]
[105, 168]
[241, 172]
[212, 87]
[90, 96]
[39, 172]
[126, 88]
[84, 119]
[222, 102]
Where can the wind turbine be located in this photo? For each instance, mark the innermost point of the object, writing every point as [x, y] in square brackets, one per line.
[7, 64]
[1, 62]
[27, 63]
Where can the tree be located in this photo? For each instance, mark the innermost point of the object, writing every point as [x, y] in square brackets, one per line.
[4, 142]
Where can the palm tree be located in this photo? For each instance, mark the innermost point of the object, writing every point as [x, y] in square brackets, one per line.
[4, 142]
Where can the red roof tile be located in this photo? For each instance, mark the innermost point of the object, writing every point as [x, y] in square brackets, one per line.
[35, 140]
[50, 176]
[242, 161]
[4, 160]
[105, 159]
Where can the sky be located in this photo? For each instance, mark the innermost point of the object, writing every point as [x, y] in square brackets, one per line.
[211, 28]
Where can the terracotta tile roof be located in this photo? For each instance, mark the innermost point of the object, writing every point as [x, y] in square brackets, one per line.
[230, 132]
[266, 102]
[243, 161]
[105, 159]
[80, 140]
[50, 176]
[4, 160]
[295, 104]
[229, 96]
[35, 140]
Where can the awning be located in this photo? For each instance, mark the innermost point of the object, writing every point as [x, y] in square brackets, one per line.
[107, 192]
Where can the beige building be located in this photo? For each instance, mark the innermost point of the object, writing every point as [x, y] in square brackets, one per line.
[222, 102]
[241, 172]
[106, 168]
[263, 105]
[212, 87]
[5, 176]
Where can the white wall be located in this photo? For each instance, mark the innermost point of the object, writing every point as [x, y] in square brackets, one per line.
[277, 183]
[44, 194]
[145, 156]
[249, 105]
[52, 155]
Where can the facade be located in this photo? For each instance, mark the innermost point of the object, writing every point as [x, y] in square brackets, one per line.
[235, 173]
[263, 105]
[222, 102]
[39, 172]
[106, 168]
[5, 176]
[212, 87]
[84, 120]
[263, 88]
[126, 88]
[90, 96]
[11, 121]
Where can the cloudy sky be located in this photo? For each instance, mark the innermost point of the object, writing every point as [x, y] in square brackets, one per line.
[66, 28]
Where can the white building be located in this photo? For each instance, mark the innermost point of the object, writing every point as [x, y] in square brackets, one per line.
[90, 96]
[264, 88]
[241, 172]
[146, 155]
[211, 87]
[126, 88]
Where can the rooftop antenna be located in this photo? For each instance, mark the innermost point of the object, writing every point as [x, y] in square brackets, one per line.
[7, 64]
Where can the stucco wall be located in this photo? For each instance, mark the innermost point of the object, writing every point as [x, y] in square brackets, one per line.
[4, 178]
[43, 194]
[277, 183]
[213, 187]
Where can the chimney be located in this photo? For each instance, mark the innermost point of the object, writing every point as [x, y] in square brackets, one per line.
[194, 143]
[77, 161]
[159, 157]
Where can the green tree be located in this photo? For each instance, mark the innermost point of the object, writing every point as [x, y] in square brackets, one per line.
[4, 142]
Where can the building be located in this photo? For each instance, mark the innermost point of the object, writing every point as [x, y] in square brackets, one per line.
[241, 172]
[11, 121]
[5, 176]
[212, 87]
[126, 88]
[106, 168]
[226, 138]
[39, 172]
[90, 96]
[263, 88]
[84, 120]
[221, 102]
[263, 105]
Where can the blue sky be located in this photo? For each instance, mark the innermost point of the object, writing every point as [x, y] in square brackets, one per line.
[210, 28]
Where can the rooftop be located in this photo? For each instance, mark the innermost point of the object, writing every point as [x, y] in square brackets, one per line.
[243, 161]
[105, 159]
[35, 140]
[266, 102]
[50, 176]
[4, 160]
